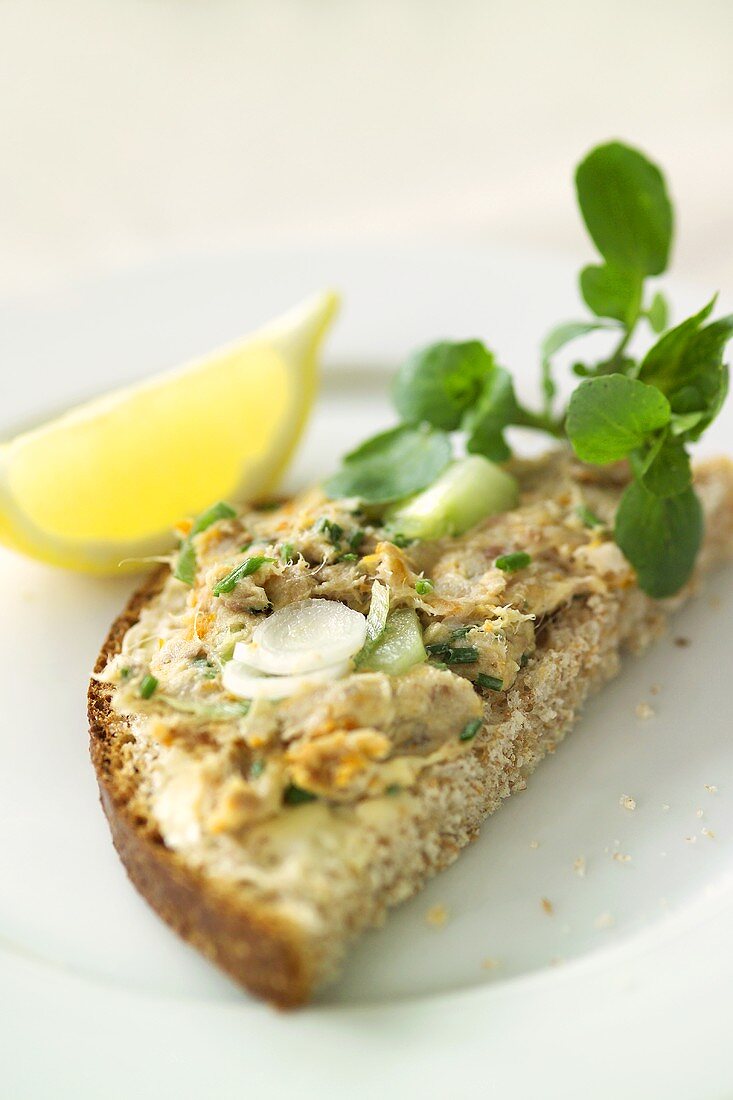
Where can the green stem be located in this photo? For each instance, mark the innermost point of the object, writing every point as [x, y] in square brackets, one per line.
[615, 358]
[540, 422]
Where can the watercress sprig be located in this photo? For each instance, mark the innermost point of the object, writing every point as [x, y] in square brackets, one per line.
[645, 411]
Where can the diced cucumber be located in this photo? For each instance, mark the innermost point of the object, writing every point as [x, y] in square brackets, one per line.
[469, 490]
[400, 646]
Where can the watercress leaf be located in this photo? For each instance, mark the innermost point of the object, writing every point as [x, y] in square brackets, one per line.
[611, 416]
[690, 368]
[683, 422]
[556, 339]
[625, 206]
[662, 365]
[494, 410]
[665, 468]
[611, 291]
[440, 382]
[660, 536]
[703, 360]
[392, 465]
[658, 313]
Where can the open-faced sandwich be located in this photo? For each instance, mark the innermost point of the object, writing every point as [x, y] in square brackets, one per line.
[314, 707]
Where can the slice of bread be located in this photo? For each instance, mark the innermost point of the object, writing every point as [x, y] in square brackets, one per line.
[282, 947]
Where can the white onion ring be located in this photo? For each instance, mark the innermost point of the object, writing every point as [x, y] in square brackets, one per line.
[303, 637]
[248, 683]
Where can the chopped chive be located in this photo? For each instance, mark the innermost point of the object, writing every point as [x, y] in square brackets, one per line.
[206, 667]
[148, 686]
[470, 730]
[256, 769]
[453, 655]
[424, 587]
[511, 563]
[125, 673]
[439, 664]
[348, 557]
[393, 788]
[333, 531]
[356, 539]
[294, 796]
[461, 655]
[287, 552]
[493, 683]
[524, 660]
[248, 566]
[589, 518]
[222, 510]
[401, 541]
[185, 569]
[460, 632]
[245, 546]
[268, 505]
[186, 565]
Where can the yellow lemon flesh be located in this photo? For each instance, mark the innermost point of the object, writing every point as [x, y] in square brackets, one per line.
[108, 480]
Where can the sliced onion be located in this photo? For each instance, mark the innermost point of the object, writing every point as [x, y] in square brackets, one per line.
[304, 636]
[248, 683]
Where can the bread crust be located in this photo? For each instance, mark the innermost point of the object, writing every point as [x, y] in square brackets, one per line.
[260, 949]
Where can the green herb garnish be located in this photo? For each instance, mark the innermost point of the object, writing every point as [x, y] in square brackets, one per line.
[492, 683]
[287, 553]
[185, 569]
[393, 789]
[470, 730]
[295, 796]
[248, 566]
[392, 465]
[333, 531]
[148, 685]
[256, 768]
[125, 673]
[512, 563]
[400, 541]
[460, 632]
[205, 666]
[645, 409]
[424, 587]
[349, 556]
[588, 517]
[453, 655]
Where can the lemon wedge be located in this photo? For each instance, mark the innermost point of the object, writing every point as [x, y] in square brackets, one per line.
[109, 479]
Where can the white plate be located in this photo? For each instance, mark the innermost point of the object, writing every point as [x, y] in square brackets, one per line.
[104, 1000]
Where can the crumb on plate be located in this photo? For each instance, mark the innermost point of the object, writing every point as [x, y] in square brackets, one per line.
[579, 866]
[436, 916]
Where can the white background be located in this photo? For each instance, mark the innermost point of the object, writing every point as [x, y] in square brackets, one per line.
[131, 129]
